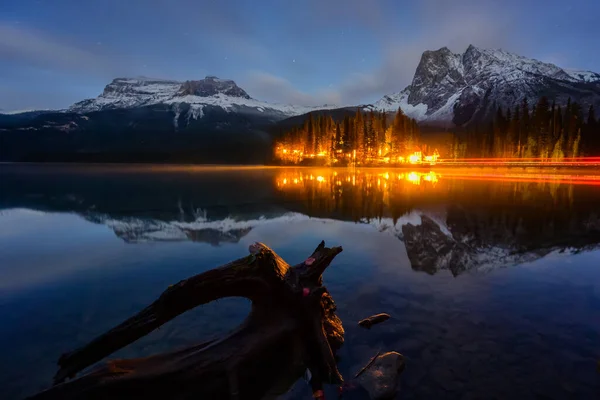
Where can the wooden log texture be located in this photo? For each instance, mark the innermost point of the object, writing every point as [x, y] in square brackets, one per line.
[292, 326]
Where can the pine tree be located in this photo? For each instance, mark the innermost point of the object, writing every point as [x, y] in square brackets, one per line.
[591, 121]
[309, 147]
[541, 128]
[359, 139]
[524, 131]
[515, 129]
[346, 135]
[338, 137]
[592, 136]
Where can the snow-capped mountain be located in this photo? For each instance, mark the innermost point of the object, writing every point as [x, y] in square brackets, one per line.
[450, 88]
[127, 93]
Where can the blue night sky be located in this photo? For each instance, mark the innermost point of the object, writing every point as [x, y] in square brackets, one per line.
[56, 52]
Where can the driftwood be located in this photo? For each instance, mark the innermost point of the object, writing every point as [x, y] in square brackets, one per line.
[292, 326]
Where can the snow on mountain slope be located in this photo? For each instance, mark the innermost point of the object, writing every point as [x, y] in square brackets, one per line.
[210, 91]
[430, 243]
[450, 88]
[394, 101]
[586, 76]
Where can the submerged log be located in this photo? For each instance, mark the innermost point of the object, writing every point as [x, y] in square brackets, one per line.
[292, 326]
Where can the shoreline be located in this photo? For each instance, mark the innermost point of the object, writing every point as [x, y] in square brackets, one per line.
[214, 167]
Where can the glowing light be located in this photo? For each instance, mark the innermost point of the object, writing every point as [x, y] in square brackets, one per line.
[284, 151]
[322, 154]
[285, 181]
[414, 178]
[415, 158]
[431, 177]
[320, 179]
[386, 175]
[296, 181]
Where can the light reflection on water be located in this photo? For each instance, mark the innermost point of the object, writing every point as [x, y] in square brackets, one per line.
[480, 276]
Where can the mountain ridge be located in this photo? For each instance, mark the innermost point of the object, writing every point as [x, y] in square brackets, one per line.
[455, 89]
[211, 91]
[213, 120]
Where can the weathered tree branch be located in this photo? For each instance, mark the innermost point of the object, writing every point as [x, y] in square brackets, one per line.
[292, 326]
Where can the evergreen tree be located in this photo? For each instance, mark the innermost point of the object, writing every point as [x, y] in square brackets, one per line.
[338, 137]
[541, 127]
[592, 136]
[346, 135]
[309, 144]
[591, 121]
[524, 131]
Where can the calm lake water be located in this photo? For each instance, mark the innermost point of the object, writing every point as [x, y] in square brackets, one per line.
[492, 279]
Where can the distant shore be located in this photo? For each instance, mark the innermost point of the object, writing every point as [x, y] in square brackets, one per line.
[148, 167]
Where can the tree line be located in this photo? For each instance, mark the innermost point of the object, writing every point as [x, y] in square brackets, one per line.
[362, 137]
[545, 131]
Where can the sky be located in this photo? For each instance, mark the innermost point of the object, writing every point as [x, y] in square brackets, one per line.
[311, 52]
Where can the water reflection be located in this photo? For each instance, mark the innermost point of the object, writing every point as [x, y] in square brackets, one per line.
[97, 253]
[461, 224]
[447, 220]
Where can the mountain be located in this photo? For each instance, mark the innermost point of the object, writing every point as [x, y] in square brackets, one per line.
[457, 89]
[128, 93]
[213, 120]
[210, 120]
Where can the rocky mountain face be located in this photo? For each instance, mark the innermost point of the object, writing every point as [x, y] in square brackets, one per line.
[213, 120]
[210, 120]
[195, 95]
[457, 89]
[475, 240]
[212, 86]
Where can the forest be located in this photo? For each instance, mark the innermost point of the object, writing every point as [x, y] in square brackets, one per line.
[363, 138]
[544, 131]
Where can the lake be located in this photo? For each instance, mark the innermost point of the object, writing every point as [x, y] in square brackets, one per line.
[492, 278]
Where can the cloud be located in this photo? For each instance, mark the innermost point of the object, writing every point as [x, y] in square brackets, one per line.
[35, 48]
[269, 87]
[437, 23]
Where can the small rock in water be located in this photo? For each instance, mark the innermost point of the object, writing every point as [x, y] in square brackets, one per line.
[382, 378]
[373, 320]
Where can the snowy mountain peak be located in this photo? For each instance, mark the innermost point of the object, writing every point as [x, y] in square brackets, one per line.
[123, 93]
[456, 89]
